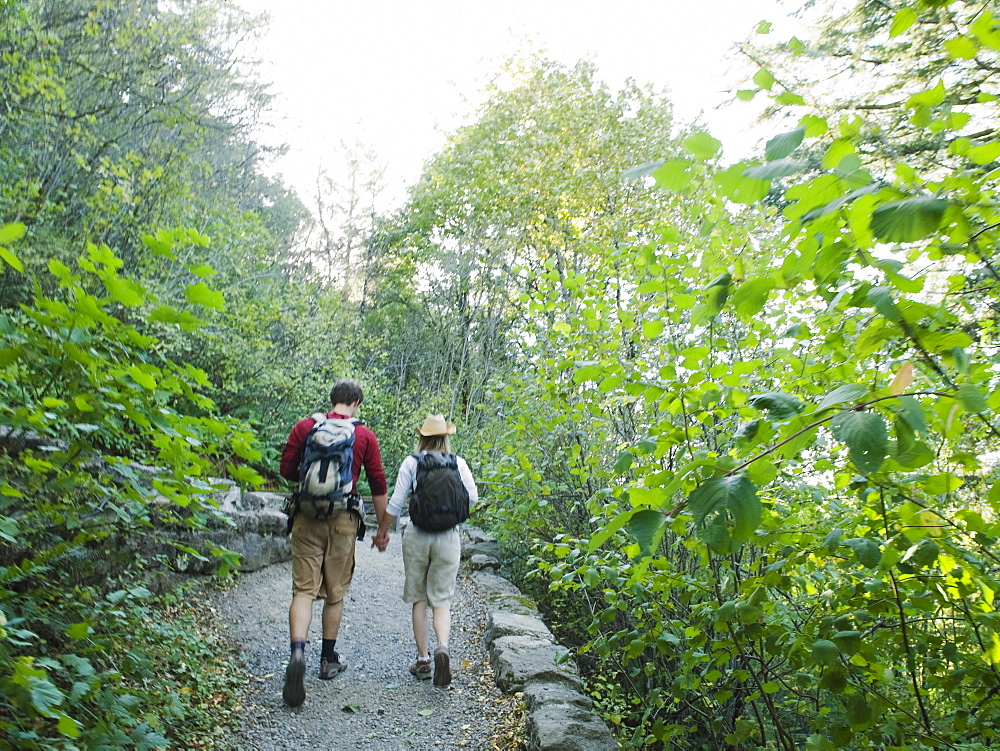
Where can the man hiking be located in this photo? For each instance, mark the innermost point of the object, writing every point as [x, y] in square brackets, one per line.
[324, 455]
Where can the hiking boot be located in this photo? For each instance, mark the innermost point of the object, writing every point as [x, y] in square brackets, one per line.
[421, 669]
[442, 667]
[330, 668]
[294, 692]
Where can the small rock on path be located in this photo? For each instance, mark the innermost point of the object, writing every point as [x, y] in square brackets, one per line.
[375, 703]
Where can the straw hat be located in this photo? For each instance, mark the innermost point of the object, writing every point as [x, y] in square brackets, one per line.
[436, 425]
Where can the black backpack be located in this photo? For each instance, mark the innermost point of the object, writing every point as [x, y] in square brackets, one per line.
[440, 500]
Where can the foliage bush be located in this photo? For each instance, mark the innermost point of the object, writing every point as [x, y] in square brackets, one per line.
[786, 439]
[89, 657]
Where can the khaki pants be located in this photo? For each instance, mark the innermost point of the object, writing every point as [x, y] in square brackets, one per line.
[323, 556]
[430, 563]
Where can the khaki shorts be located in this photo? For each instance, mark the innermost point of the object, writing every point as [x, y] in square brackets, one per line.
[430, 563]
[323, 556]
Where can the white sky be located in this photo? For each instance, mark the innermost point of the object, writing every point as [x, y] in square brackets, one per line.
[399, 75]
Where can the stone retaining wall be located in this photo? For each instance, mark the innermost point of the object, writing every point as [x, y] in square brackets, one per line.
[526, 659]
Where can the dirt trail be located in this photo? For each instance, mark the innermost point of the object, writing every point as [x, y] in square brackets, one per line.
[375, 703]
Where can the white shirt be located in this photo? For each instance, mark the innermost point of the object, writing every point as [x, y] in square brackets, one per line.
[407, 478]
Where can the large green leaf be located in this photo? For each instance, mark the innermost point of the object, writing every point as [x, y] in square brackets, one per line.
[849, 392]
[647, 526]
[642, 170]
[10, 259]
[11, 232]
[735, 494]
[784, 144]
[751, 296]
[702, 145]
[909, 220]
[774, 169]
[867, 551]
[45, 696]
[777, 405]
[201, 294]
[737, 187]
[866, 437]
[674, 174]
[972, 398]
[825, 652]
[881, 300]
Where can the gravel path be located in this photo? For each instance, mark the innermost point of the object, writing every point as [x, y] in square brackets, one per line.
[375, 703]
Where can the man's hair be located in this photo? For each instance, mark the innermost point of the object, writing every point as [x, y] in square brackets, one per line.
[346, 392]
[433, 443]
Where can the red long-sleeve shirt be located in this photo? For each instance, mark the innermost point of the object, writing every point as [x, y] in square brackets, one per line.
[367, 454]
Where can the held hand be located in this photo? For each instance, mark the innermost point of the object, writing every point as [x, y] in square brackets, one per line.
[380, 542]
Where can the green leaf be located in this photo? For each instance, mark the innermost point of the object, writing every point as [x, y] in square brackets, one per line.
[848, 642]
[912, 412]
[905, 18]
[984, 154]
[866, 437]
[647, 526]
[860, 710]
[866, 551]
[909, 220]
[972, 398]
[202, 269]
[125, 291]
[726, 612]
[702, 145]
[917, 454]
[814, 125]
[778, 405]
[961, 48]
[354, 708]
[200, 294]
[141, 377]
[425, 712]
[11, 259]
[775, 169]
[881, 300]
[737, 495]
[788, 98]
[751, 296]
[825, 652]
[67, 725]
[624, 462]
[80, 630]
[784, 144]
[923, 554]
[12, 232]
[45, 696]
[928, 97]
[747, 431]
[642, 170]
[646, 446]
[652, 329]
[764, 79]
[849, 392]
[675, 174]
[739, 188]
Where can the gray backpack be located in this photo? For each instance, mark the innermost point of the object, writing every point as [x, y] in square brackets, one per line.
[326, 478]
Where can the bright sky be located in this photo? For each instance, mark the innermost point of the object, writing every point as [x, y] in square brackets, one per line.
[399, 75]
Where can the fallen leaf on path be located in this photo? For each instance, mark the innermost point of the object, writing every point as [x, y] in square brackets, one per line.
[425, 712]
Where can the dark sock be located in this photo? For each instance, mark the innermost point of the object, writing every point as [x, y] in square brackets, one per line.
[298, 645]
[329, 649]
